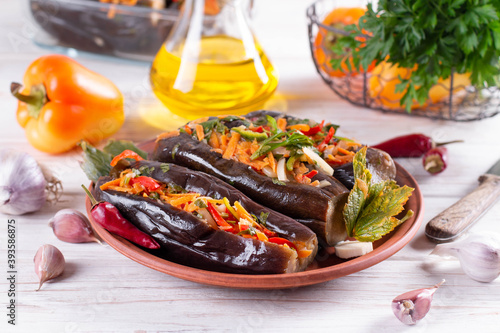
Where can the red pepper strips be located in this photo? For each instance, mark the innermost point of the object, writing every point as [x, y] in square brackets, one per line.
[311, 174]
[411, 145]
[282, 241]
[149, 184]
[329, 136]
[435, 160]
[110, 218]
[218, 218]
[316, 129]
[126, 154]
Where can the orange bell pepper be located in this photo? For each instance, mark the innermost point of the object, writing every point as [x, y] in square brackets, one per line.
[63, 102]
[338, 18]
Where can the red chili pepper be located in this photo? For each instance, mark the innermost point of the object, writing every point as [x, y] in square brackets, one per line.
[411, 145]
[110, 218]
[148, 183]
[435, 160]
[218, 218]
[314, 130]
[282, 241]
[126, 154]
[311, 174]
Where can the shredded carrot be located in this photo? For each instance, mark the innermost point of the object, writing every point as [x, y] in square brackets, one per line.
[214, 141]
[314, 183]
[115, 182]
[199, 120]
[199, 132]
[281, 124]
[304, 253]
[272, 161]
[223, 142]
[167, 135]
[300, 127]
[345, 152]
[231, 146]
[184, 200]
[188, 129]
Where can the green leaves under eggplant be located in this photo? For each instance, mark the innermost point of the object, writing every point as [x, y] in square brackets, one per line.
[96, 163]
[371, 208]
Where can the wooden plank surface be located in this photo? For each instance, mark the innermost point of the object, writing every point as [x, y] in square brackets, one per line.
[102, 291]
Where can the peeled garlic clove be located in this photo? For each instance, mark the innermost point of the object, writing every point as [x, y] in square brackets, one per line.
[71, 226]
[412, 306]
[49, 263]
[351, 249]
[479, 255]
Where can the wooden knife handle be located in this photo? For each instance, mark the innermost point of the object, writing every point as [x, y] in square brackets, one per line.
[453, 221]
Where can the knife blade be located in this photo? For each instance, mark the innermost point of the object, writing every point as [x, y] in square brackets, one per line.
[453, 221]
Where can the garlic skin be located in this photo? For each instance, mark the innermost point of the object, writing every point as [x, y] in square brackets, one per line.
[49, 263]
[71, 226]
[414, 305]
[478, 253]
[24, 187]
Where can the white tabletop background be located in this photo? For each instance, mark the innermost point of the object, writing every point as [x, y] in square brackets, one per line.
[103, 291]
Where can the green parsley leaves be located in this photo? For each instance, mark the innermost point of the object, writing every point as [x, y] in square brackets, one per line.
[439, 36]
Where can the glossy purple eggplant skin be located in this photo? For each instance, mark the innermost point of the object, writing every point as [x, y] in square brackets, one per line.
[187, 240]
[292, 199]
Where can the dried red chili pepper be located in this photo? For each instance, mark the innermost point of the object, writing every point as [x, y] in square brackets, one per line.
[411, 145]
[435, 160]
[110, 218]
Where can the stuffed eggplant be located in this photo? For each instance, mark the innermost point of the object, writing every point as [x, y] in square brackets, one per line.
[200, 221]
[380, 164]
[273, 165]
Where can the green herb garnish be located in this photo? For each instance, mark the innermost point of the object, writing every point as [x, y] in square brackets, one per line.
[278, 182]
[437, 36]
[165, 167]
[262, 218]
[174, 150]
[371, 208]
[200, 203]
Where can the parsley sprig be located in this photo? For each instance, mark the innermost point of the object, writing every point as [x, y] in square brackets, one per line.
[439, 36]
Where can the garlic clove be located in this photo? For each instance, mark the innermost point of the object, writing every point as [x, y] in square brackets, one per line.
[71, 226]
[414, 305]
[350, 249]
[49, 263]
[478, 253]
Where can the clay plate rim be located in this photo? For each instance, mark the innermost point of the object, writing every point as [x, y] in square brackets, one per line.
[386, 247]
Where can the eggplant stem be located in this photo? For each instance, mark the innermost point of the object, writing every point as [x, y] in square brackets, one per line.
[93, 201]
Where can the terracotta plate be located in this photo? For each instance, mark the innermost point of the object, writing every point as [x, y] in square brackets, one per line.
[326, 266]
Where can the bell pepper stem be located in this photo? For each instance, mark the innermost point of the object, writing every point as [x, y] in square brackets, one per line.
[35, 100]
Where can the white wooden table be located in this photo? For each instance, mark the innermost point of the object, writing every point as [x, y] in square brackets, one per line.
[103, 291]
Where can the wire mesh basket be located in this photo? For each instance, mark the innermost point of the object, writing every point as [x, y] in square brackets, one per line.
[451, 99]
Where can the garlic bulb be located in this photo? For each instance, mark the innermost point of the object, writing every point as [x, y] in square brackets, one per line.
[24, 186]
[479, 255]
[49, 263]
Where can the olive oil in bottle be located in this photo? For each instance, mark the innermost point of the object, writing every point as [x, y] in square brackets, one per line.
[213, 65]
